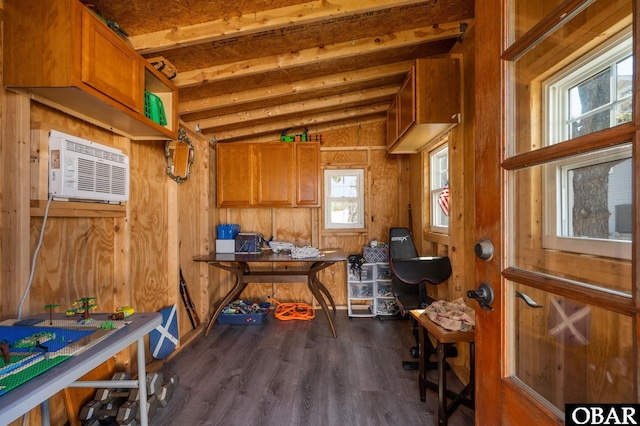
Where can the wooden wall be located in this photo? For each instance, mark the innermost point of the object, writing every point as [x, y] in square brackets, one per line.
[362, 146]
[122, 255]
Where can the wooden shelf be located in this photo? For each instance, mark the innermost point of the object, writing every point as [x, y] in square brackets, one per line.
[83, 69]
[77, 209]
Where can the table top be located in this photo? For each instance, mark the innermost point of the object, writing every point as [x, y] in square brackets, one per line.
[22, 399]
[442, 334]
[330, 255]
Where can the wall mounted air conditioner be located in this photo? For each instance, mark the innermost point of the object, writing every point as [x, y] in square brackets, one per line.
[82, 170]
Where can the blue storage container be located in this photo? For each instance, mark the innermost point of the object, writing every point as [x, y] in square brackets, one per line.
[228, 231]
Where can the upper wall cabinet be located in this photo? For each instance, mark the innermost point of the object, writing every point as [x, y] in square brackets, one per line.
[426, 106]
[61, 54]
[273, 174]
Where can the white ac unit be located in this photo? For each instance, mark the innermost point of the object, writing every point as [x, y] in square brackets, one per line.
[82, 170]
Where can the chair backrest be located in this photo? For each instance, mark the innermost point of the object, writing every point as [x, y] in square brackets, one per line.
[407, 267]
[401, 244]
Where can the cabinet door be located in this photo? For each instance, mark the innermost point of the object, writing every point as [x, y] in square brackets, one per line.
[392, 122]
[308, 174]
[437, 90]
[407, 103]
[109, 65]
[234, 177]
[274, 172]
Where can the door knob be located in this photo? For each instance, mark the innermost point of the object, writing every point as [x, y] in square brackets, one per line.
[484, 249]
[483, 295]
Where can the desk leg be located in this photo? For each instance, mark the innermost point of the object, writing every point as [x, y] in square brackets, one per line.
[142, 383]
[318, 295]
[319, 290]
[442, 384]
[423, 357]
[313, 275]
[233, 293]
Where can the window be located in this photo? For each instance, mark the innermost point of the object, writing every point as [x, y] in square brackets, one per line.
[588, 197]
[344, 199]
[439, 188]
[589, 204]
[594, 94]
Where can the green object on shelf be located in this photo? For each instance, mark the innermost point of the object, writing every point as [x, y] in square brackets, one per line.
[154, 109]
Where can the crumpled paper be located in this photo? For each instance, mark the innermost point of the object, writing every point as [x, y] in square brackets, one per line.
[454, 315]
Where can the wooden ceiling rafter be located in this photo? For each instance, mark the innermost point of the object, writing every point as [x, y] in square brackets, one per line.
[252, 68]
[240, 119]
[275, 128]
[298, 87]
[326, 53]
[262, 21]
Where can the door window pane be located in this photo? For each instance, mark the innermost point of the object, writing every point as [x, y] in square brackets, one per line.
[571, 219]
[577, 81]
[565, 351]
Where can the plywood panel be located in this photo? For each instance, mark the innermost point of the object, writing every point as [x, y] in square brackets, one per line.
[343, 158]
[193, 233]
[148, 224]
[383, 176]
[65, 272]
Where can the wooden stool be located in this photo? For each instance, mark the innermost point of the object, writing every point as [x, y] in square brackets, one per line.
[445, 339]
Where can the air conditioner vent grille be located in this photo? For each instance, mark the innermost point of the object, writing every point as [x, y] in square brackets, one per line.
[84, 170]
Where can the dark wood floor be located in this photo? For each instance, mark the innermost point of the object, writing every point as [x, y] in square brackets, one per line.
[295, 373]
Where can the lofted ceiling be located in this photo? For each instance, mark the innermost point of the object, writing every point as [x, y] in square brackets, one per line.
[251, 69]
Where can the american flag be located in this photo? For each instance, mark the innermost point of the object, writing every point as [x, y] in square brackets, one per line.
[443, 199]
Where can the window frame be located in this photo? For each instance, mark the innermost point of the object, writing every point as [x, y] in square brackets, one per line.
[557, 122]
[435, 176]
[556, 89]
[359, 199]
[557, 209]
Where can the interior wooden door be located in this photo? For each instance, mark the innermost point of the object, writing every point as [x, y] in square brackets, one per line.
[556, 131]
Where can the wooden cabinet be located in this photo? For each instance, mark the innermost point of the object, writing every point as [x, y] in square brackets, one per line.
[61, 54]
[273, 174]
[234, 177]
[426, 106]
[307, 174]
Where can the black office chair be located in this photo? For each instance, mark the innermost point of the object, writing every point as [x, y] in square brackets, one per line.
[411, 273]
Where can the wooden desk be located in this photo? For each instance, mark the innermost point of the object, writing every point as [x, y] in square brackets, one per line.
[445, 339]
[240, 266]
[38, 390]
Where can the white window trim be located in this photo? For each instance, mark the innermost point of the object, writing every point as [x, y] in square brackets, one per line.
[552, 236]
[328, 174]
[435, 192]
[555, 90]
[555, 93]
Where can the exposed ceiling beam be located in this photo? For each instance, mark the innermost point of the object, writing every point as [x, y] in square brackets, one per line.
[315, 55]
[298, 87]
[374, 95]
[277, 127]
[268, 20]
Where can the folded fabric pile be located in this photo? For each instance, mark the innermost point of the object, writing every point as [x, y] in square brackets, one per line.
[304, 252]
[454, 315]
